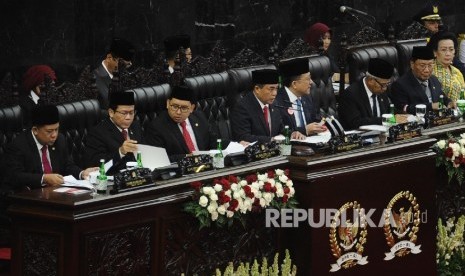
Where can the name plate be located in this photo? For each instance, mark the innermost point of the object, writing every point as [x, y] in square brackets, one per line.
[260, 151]
[195, 164]
[404, 131]
[439, 121]
[132, 179]
[345, 143]
[436, 118]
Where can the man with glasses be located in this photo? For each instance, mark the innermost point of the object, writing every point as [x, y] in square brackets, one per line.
[418, 85]
[39, 156]
[181, 129]
[293, 99]
[121, 52]
[117, 136]
[363, 102]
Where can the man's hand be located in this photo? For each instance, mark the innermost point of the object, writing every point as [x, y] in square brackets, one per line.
[435, 106]
[297, 135]
[315, 128]
[128, 146]
[53, 179]
[86, 172]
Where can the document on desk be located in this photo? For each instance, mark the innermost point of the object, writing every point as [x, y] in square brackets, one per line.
[233, 147]
[374, 127]
[153, 157]
[70, 181]
[322, 137]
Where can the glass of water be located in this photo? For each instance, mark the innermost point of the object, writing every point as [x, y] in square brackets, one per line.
[387, 120]
[420, 111]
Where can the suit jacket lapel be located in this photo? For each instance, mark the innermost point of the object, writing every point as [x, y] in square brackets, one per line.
[35, 153]
[174, 128]
[418, 89]
[364, 98]
[259, 113]
[55, 159]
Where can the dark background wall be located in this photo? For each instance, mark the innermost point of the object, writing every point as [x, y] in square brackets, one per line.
[69, 34]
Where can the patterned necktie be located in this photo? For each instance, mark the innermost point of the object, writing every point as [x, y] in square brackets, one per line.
[265, 114]
[300, 111]
[187, 137]
[125, 134]
[45, 162]
[375, 109]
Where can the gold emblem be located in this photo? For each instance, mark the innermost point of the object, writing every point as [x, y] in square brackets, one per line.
[347, 236]
[402, 218]
[435, 9]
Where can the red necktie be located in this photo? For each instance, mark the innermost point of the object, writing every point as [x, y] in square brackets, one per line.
[187, 137]
[125, 134]
[45, 162]
[265, 114]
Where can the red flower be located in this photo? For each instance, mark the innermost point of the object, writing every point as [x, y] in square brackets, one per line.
[232, 179]
[267, 187]
[286, 190]
[448, 153]
[273, 189]
[270, 174]
[225, 183]
[251, 178]
[233, 205]
[285, 198]
[247, 189]
[196, 185]
[458, 159]
[286, 172]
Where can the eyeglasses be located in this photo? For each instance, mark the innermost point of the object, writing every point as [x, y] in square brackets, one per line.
[383, 85]
[182, 108]
[126, 113]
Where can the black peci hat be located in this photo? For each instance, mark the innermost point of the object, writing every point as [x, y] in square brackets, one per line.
[45, 115]
[121, 98]
[265, 76]
[173, 43]
[422, 52]
[122, 48]
[293, 67]
[380, 68]
[183, 93]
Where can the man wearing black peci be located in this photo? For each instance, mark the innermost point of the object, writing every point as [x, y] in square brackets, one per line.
[293, 99]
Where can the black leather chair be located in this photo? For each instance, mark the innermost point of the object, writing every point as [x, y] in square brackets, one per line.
[150, 101]
[359, 56]
[404, 50]
[11, 124]
[76, 118]
[212, 93]
[322, 91]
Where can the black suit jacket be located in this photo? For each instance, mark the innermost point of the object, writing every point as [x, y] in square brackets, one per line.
[25, 164]
[102, 81]
[248, 123]
[355, 109]
[165, 133]
[103, 142]
[407, 91]
[282, 100]
[27, 104]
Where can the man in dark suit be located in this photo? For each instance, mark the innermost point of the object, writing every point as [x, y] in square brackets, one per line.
[418, 85]
[172, 45]
[39, 156]
[254, 118]
[121, 52]
[293, 99]
[117, 136]
[363, 102]
[181, 129]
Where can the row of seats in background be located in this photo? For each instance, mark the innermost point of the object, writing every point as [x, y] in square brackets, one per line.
[216, 94]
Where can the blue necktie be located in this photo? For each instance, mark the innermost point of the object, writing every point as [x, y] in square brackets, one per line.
[300, 111]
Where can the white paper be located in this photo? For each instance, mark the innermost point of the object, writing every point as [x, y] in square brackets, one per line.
[93, 177]
[353, 132]
[374, 127]
[322, 137]
[73, 191]
[70, 181]
[233, 147]
[153, 157]
[108, 165]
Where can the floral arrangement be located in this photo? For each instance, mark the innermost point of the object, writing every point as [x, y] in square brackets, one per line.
[450, 256]
[451, 155]
[261, 270]
[231, 198]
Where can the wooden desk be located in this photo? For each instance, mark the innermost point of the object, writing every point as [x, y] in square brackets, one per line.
[145, 232]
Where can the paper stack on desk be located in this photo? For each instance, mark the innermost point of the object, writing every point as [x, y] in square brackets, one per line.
[233, 147]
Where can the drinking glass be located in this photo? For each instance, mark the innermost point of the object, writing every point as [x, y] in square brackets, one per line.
[420, 110]
[387, 120]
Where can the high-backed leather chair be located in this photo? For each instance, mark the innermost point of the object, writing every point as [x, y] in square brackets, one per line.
[11, 124]
[76, 118]
[404, 50]
[322, 91]
[150, 101]
[359, 56]
[212, 93]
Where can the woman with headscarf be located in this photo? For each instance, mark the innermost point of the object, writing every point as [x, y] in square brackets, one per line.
[32, 82]
[444, 45]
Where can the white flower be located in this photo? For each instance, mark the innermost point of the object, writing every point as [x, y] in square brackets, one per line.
[455, 149]
[214, 216]
[203, 201]
[212, 208]
[279, 185]
[208, 190]
[236, 195]
[279, 172]
[462, 141]
[280, 192]
[271, 181]
[262, 202]
[221, 210]
[229, 214]
[441, 144]
[228, 193]
[218, 187]
[262, 177]
[283, 178]
[289, 183]
[268, 197]
[234, 187]
[255, 186]
[291, 191]
[243, 183]
[462, 135]
[214, 197]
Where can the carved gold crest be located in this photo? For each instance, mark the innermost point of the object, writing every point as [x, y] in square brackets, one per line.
[347, 236]
[401, 225]
[435, 9]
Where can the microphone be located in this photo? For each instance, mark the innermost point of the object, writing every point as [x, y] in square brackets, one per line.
[287, 107]
[345, 9]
